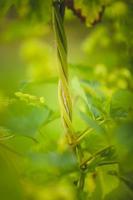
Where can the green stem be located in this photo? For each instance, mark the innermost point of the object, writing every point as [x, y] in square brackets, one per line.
[86, 132]
[81, 181]
[63, 87]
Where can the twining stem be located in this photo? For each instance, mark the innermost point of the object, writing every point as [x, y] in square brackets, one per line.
[63, 86]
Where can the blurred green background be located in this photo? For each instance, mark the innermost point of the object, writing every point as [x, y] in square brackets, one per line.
[35, 161]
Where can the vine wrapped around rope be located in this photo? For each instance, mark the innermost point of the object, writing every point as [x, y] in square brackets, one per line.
[63, 87]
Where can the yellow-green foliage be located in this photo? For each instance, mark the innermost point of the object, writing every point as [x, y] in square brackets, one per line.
[72, 140]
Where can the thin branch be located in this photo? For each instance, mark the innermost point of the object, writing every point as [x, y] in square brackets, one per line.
[11, 150]
[87, 131]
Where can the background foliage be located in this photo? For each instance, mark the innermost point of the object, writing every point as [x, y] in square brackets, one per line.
[34, 156]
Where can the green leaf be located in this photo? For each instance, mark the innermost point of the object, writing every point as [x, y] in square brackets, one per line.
[124, 177]
[30, 99]
[92, 123]
[10, 187]
[78, 90]
[121, 104]
[104, 184]
[88, 95]
[5, 134]
[26, 119]
[53, 165]
[90, 9]
[108, 183]
[128, 180]
[122, 192]
[124, 146]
